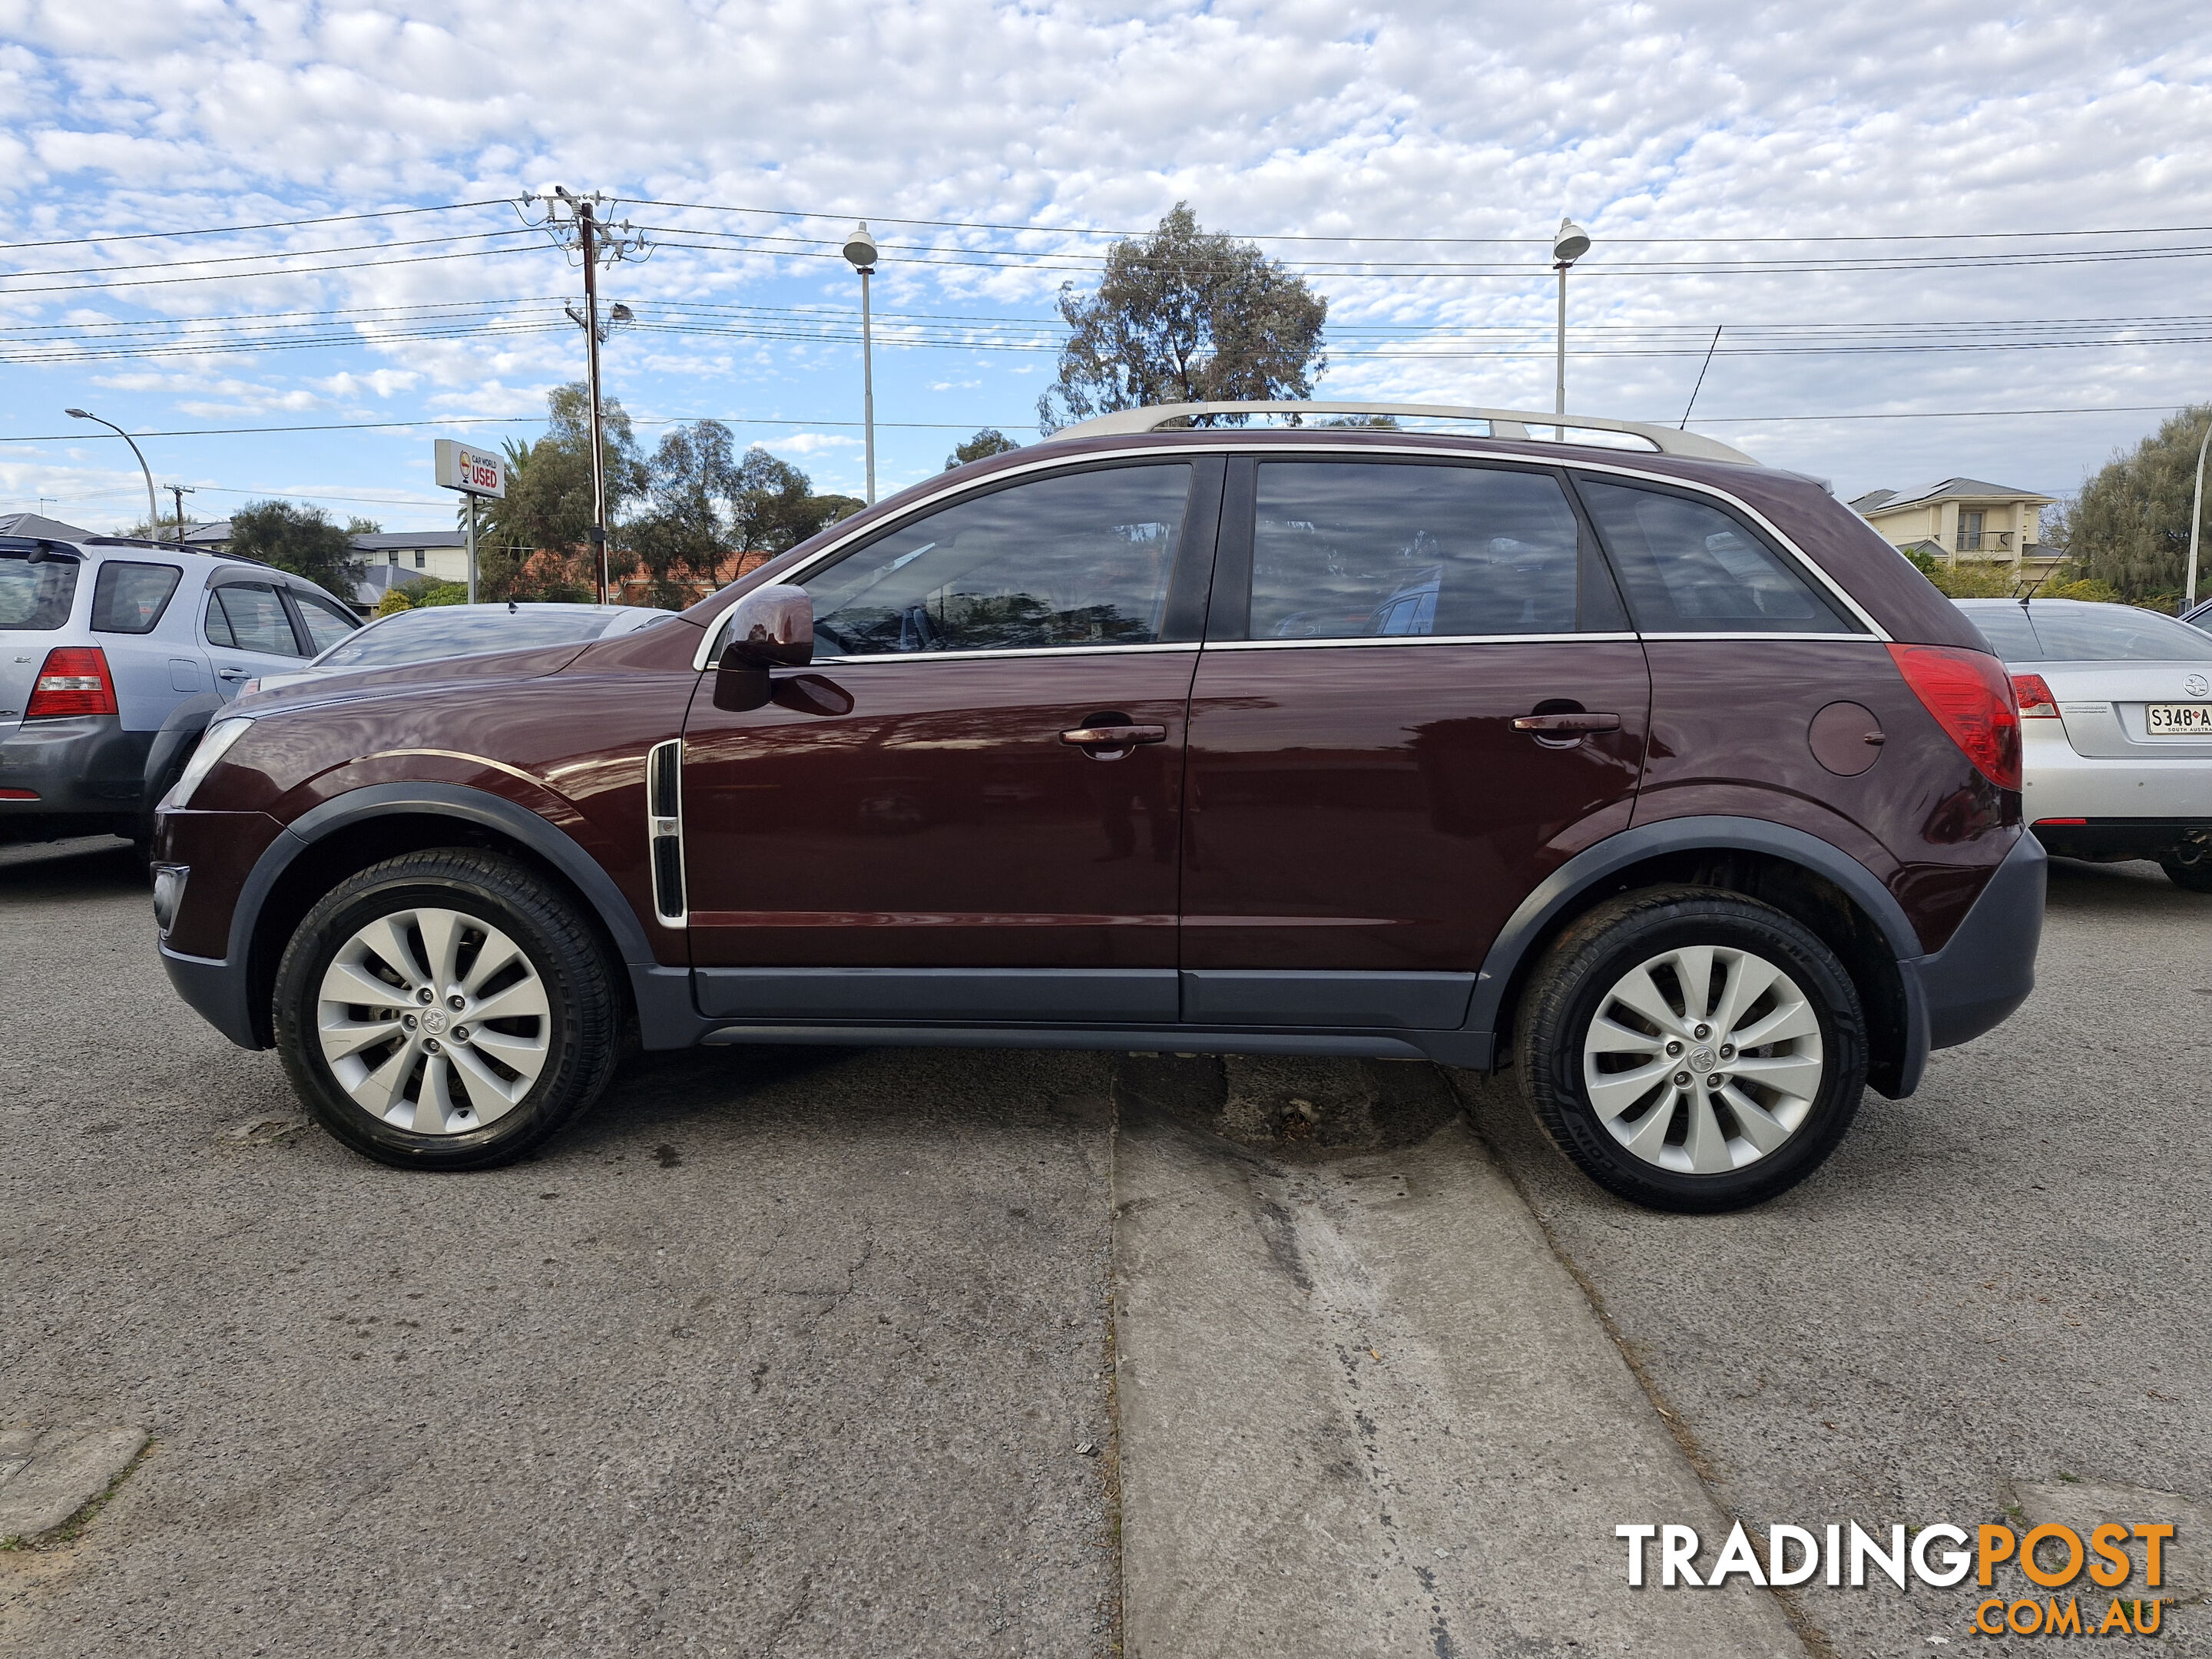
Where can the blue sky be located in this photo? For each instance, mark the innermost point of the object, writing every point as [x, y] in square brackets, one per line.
[1714, 151]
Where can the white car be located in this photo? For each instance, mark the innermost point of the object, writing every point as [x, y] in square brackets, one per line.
[465, 630]
[2115, 729]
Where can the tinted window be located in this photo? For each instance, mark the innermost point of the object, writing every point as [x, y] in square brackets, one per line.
[326, 623]
[36, 595]
[1081, 559]
[2005, 627]
[251, 618]
[1342, 550]
[129, 598]
[459, 631]
[2112, 633]
[1692, 568]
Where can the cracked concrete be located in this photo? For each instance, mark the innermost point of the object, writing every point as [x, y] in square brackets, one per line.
[1364, 1411]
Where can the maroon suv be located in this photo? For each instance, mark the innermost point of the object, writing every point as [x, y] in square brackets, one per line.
[1653, 773]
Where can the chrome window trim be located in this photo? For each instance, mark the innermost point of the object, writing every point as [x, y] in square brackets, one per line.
[1230, 445]
[1011, 651]
[1612, 636]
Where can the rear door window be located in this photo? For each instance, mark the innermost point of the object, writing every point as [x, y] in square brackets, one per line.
[35, 597]
[1692, 568]
[249, 616]
[1381, 549]
[326, 623]
[129, 598]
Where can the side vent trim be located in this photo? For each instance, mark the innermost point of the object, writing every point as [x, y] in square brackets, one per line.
[664, 829]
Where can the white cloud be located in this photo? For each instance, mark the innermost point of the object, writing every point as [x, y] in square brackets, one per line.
[1684, 118]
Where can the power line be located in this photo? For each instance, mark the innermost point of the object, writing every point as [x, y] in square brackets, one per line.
[278, 253]
[235, 276]
[273, 224]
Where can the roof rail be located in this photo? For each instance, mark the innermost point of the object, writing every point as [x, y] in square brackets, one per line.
[1509, 423]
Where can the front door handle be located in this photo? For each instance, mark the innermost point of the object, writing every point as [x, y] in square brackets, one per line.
[1113, 737]
[1548, 725]
[233, 673]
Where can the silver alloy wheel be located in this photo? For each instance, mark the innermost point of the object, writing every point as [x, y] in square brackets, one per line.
[434, 1021]
[1703, 1059]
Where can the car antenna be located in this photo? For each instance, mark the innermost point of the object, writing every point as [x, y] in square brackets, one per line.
[512, 608]
[2031, 587]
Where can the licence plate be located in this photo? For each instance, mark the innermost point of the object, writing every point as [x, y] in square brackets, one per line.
[2176, 719]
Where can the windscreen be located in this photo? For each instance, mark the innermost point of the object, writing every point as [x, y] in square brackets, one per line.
[2110, 632]
[35, 597]
[459, 631]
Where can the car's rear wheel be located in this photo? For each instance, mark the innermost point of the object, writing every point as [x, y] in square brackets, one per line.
[1692, 1049]
[445, 1010]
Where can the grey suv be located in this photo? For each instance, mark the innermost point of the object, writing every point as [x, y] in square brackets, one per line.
[101, 641]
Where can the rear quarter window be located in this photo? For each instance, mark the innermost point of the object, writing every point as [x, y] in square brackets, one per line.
[128, 597]
[36, 598]
[1689, 567]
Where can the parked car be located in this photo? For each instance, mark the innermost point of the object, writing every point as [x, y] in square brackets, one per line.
[416, 635]
[1651, 773]
[2116, 724]
[465, 630]
[2200, 616]
[100, 639]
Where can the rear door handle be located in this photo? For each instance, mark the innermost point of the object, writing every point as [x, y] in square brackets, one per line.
[1577, 722]
[1113, 737]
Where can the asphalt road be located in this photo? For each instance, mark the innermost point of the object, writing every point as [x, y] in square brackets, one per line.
[2005, 1279]
[794, 1352]
[783, 1352]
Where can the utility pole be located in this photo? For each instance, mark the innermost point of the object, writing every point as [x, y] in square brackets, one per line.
[596, 240]
[180, 491]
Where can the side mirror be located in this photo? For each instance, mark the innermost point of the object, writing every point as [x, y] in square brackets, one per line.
[771, 627]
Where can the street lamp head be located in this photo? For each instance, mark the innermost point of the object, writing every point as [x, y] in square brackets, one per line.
[1571, 242]
[76, 414]
[622, 313]
[860, 248]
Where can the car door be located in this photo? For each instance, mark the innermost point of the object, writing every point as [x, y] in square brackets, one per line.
[968, 807]
[248, 633]
[326, 622]
[1419, 695]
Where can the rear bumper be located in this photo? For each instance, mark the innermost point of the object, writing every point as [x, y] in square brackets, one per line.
[1988, 968]
[2121, 838]
[78, 764]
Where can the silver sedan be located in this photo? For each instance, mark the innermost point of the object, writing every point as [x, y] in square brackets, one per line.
[2115, 729]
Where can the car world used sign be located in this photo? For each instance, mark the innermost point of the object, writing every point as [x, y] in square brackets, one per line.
[477, 471]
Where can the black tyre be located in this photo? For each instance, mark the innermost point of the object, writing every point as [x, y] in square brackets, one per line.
[445, 1010]
[2188, 866]
[1630, 1045]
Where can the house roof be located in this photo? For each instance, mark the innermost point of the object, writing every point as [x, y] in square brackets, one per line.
[37, 525]
[399, 541]
[200, 535]
[1951, 489]
[1871, 499]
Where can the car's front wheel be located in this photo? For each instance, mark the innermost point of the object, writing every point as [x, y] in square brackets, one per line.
[445, 1010]
[1692, 1049]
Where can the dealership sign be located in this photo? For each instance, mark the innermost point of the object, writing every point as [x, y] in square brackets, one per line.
[476, 471]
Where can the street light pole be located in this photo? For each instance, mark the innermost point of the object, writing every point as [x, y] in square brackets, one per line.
[152, 505]
[860, 249]
[1568, 243]
[2196, 516]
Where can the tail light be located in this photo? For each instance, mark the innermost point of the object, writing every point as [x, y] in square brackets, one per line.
[74, 680]
[2036, 702]
[1972, 697]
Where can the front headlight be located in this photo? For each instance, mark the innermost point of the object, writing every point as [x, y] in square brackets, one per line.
[215, 743]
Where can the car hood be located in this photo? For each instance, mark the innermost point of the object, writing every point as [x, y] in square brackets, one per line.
[441, 676]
